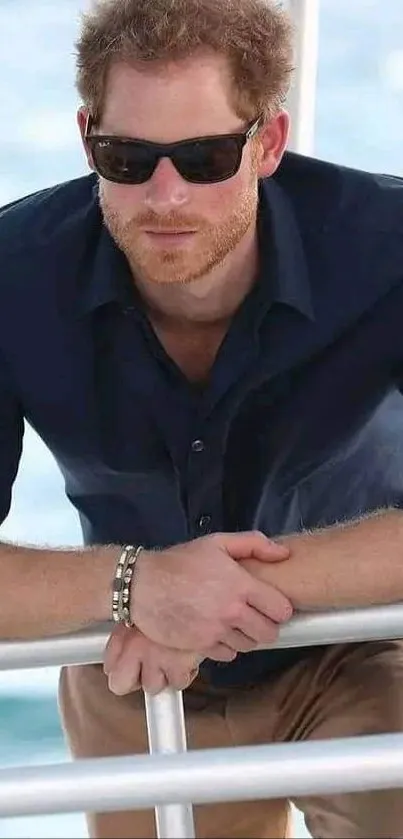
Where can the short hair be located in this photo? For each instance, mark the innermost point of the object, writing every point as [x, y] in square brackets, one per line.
[256, 37]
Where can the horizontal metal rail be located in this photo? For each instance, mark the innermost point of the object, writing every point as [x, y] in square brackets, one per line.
[87, 647]
[284, 770]
[172, 779]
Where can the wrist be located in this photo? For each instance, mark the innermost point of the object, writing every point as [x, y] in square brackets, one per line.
[103, 559]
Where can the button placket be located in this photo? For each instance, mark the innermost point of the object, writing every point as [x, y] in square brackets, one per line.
[204, 480]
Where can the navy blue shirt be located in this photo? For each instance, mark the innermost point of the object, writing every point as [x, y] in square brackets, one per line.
[300, 423]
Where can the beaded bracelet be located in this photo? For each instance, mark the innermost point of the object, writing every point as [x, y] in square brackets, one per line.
[122, 584]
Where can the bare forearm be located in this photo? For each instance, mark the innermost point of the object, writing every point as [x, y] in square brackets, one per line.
[356, 564]
[46, 592]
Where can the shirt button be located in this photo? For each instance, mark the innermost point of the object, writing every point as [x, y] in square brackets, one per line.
[204, 524]
[197, 446]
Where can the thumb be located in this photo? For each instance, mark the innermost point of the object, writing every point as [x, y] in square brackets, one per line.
[254, 544]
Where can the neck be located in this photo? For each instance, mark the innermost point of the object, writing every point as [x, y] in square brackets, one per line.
[213, 298]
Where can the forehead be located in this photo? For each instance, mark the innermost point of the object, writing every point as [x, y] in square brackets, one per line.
[168, 102]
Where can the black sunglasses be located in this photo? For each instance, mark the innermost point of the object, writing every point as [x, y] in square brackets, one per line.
[203, 160]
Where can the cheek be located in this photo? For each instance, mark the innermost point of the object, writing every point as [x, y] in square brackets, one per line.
[226, 197]
[121, 199]
[217, 200]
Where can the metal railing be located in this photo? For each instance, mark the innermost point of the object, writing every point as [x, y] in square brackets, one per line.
[371, 624]
[171, 779]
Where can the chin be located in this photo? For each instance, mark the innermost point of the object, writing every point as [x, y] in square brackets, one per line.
[167, 279]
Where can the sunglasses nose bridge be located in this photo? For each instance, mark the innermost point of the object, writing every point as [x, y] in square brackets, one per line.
[164, 162]
[166, 189]
[153, 163]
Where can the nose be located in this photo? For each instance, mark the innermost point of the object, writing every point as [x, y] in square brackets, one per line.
[166, 190]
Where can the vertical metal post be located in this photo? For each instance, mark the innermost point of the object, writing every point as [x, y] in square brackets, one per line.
[302, 97]
[167, 734]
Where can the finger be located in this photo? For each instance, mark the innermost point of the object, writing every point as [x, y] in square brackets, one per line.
[153, 679]
[220, 652]
[253, 624]
[124, 671]
[114, 647]
[122, 680]
[270, 602]
[254, 544]
[181, 679]
[238, 641]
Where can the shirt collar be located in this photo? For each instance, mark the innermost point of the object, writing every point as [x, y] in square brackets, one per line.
[107, 277]
[110, 278]
[283, 275]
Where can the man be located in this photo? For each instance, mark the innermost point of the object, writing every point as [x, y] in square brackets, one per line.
[206, 332]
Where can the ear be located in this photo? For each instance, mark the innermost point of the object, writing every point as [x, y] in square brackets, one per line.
[273, 139]
[82, 117]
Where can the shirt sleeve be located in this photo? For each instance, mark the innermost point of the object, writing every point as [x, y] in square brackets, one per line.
[11, 437]
[367, 475]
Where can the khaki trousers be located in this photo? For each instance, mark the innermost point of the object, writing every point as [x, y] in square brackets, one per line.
[342, 690]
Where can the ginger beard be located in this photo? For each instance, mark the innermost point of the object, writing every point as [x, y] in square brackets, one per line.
[206, 250]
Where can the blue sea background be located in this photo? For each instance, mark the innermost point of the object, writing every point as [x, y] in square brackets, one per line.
[359, 122]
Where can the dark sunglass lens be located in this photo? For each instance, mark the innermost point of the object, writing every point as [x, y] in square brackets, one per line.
[208, 161]
[123, 162]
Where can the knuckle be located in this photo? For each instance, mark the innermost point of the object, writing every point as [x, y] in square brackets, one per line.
[215, 633]
[211, 636]
[260, 628]
[212, 631]
[223, 653]
[181, 680]
[234, 612]
[226, 655]
[244, 646]
[238, 643]
[218, 655]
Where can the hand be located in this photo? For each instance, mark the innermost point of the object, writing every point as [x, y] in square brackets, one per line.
[132, 662]
[196, 596]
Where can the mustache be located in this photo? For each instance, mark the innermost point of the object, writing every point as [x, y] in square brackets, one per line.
[172, 221]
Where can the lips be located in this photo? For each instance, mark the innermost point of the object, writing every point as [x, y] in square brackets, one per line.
[170, 238]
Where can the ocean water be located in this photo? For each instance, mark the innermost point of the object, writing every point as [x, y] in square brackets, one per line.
[359, 122]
